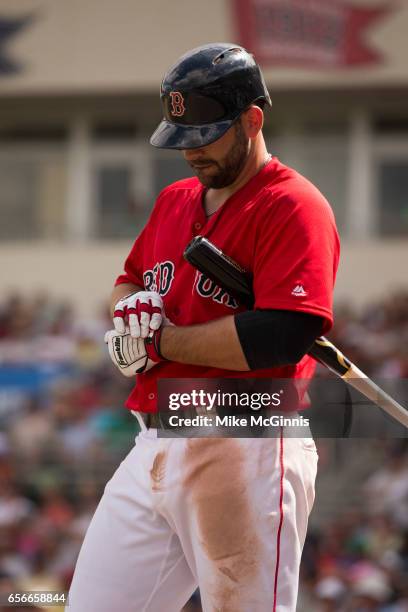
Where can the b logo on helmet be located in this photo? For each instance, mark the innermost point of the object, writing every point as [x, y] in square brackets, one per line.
[177, 104]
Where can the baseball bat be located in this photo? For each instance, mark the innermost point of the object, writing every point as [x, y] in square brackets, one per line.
[237, 282]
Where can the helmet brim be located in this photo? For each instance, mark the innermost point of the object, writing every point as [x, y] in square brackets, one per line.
[175, 136]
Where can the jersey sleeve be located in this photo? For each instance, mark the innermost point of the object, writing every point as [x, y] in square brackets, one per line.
[297, 254]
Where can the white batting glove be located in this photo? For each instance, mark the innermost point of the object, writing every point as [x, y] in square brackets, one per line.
[128, 354]
[141, 311]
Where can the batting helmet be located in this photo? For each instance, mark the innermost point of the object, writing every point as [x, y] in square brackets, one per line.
[204, 93]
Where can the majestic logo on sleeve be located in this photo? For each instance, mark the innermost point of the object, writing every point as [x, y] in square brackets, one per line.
[177, 104]
[160, 278]
[207, 288]
[299, 291]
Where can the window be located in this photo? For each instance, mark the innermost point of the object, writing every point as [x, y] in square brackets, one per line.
[393, 197]
[390, 166]
[325, 164]
[32, 194]
[18, 190]
[119, 213]
[121, 194]
[169, 166]
[322, 158]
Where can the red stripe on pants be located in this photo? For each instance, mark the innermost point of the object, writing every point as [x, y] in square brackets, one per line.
[278, 536]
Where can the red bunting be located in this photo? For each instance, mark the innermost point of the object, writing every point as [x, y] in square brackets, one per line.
[307, 33]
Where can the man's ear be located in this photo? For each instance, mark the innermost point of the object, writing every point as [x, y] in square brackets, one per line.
[252, 121]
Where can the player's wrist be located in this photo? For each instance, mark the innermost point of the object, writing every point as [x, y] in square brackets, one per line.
[165, 341]
[153, 346]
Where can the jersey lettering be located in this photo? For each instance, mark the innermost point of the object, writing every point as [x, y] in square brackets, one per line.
[208, 288]
[222, 297]
[160, 278]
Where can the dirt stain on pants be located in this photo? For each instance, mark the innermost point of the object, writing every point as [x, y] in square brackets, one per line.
[216, 485]
[158, 471]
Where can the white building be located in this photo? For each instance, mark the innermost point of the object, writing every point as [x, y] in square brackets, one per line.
[79, 98]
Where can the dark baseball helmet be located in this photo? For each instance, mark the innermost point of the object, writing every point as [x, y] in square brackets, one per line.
[204, 93]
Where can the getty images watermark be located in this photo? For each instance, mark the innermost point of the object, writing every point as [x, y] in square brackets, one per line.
[229, 408]
[248, 407]
[209, 406]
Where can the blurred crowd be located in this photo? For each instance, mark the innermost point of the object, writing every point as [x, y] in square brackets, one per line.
[63, 432]
[377, 338]
[359, 561]
[43, 329]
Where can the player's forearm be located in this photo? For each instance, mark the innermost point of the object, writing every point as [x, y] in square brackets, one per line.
[214, 344]
[120, 291]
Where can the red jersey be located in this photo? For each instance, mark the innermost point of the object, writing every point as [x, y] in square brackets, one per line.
[278, 226]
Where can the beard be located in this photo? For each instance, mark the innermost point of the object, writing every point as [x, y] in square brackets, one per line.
[229, 168]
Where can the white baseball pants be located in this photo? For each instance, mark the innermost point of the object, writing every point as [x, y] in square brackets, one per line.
[227, 515]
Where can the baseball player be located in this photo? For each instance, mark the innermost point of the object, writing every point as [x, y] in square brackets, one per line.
[226, 514]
